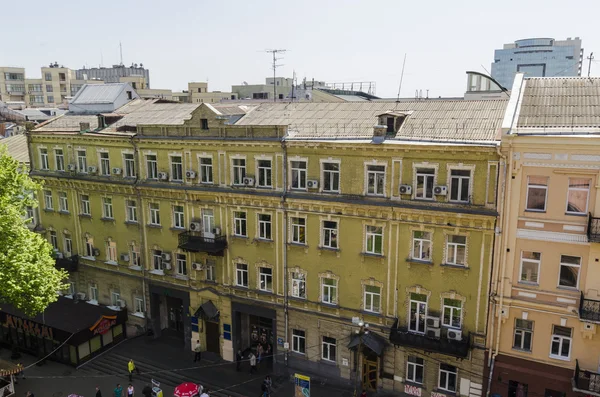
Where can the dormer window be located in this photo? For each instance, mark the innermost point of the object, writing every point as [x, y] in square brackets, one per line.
[390, 125]
[391, 122]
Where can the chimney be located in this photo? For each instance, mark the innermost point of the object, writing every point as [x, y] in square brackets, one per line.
[84, 127]
[379, 130]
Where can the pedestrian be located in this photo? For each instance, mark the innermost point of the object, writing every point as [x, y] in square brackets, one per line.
[252, 358]
[21, 373]
[269, 383]
[205, 393]
[259, 351]
[130, 390]
[118, 390]
[29, 394]
[363, 394]
[131, 368]
[197, 351]
[238, 360]
[98, 392]
[264, 390]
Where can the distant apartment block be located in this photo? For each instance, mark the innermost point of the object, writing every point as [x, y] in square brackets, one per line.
[118, 74]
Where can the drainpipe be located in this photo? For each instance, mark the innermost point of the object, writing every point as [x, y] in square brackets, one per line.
[285, 263]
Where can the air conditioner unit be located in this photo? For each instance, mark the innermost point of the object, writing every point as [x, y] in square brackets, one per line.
[116, 171]
[454, 334]
[121, 303]
[165, 256]
[440, 190]
[71, 167]
[432, 322]
[217, 231]
[59, 255]
[190, 174]
[96, 252]
[405, 189]
[167, 266]
[80, 295]
[248, 181]
[433, 333]
[312, 184]
[163, 176]
[197, 266]
[195, 226]
[91, 169]
[125, 257]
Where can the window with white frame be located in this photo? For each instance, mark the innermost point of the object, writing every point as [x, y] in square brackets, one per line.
[211, 274]
[81, 161]
[89, 247]
[85, 205]
[129, 165]
[447, 378]
[264, 226]
[452, 313]
[329, 290]
[59, 159]
[157, 260]
[376, 180]
[523, 334]
[264, 176]
[115, 298]
[331, 177]
[425, 181]
[155, 214]
[53, 239]
[151, 166]
[299, 285]
[44, 164]
[328, 349]
[134, 256]
[241, 275]
[456, 248]
[372, 298]
[176, 168]
[48, 205]
[104, 163]
[94, 293]
[131, 210]
[298, 230]
[330, 234]
[30, 214]
[206, 170]
[530, 266]
[561, 342]
[107, 208]
[537, 193]
[63, 202]
[138, 305]
[68, 245]
[570, 267]
[299, 341]
[374, 240]
[577, 197]
[298, 169]
[265, 282]
[415, 368]
[459, 185]
[421, 247]
[181, 262]
[111, 251]
[417, 313]
[178, 217]
[238, 166]
[239, 224]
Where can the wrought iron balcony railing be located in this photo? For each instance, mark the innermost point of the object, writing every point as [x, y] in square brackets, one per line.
[593, 230]
[585, 381]
[188, 241]
[589, 309]
[401, 336]
[69, 264]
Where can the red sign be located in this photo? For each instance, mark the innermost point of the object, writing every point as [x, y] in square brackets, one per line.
[412, 390]
[103, 325]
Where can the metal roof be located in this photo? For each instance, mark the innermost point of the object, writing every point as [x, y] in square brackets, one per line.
[154, 112]
[98, 93]
[67, 123]
[17, 147]
[439, 120]
[572, 102]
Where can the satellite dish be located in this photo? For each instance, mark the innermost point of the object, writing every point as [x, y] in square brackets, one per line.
[245, 83]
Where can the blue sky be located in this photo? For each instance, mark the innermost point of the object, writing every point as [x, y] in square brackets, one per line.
[334, 41]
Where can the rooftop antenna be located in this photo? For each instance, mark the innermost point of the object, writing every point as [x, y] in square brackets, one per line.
[274, 52]
[101, 59]
[121, 52]
[401, 78]
[590, 59]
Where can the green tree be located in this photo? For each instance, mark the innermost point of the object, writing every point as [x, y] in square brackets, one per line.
[29, 279]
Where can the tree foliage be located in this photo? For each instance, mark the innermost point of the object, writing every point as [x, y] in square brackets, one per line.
[29, 279]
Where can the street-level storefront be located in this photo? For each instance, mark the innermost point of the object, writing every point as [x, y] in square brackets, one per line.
[71, 331]
[255, 325]
[170, 312]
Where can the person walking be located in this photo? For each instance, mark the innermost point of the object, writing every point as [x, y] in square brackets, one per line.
[252, 358]
[118, 390]
[98, 392]
[238, 360]
[269, 383]
[130, 390]
[198, 351]
[131, 368]
[205, 393]
[259, 351]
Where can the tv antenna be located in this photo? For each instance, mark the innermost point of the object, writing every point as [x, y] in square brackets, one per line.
[275, 52]
[121, 52]
[590, 58]
[401, 78]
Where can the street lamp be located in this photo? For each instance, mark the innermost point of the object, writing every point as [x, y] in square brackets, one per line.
[361, 331]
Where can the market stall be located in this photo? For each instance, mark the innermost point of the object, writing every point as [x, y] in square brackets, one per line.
[8, 371]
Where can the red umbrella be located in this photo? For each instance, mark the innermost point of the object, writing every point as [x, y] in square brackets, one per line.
[187, 389]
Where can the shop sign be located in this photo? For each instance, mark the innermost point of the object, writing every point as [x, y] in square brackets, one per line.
[103, 325]
[302, 388]
[29, 327]
[413, 390]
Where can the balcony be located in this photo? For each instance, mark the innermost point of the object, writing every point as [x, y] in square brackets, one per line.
[69, 264]
[589, 309]
[593, 230]
[457, 348]
[586, 382]
[190, 241]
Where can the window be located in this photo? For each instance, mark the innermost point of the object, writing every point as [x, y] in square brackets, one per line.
[329, 291]
[331, 177]
[157, 260]
[59, 159]
[53, 239]
[447, 379]
[50, 98]
[569, 271]
[178, 217]
[211, 275]
[152, 166]
[154, 214]
[204, 124]
[181, 263]
[530, 266]
[44, 165]
[81, 161]
[239, 171]
[30, 214]
[452, 313]
[415, 367]
[298, 341]
[264, 173]
[299, 285]
[239, 224]
[417, 313]
[372, 299]
[577, 198]
[537, 191]
[115, 297]
[330, 234]
[561, 342]
[94, 293]
[264, 226]
[104, 164]
[459, 185]
[89, 247]
[111, 251]
[517, 389]
[107, 209]
[241, 275]
[425, 180]
[523, 334]
[265, 275]
[129, 165]
[131, 207]
[138, 305]
[374, 240]
[48, 200]
[85, 205]
[206, 170]
[298, 174]
[176, 168]
[68, 245]
[49, 88]
[298, 230]
[328, 350]
[63, 203]
[456, 248]
[421, 246]
[134, 256]
[376, 180]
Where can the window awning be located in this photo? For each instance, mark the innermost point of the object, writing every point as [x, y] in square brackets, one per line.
[7, 368]
[371, 340]
[207, 311]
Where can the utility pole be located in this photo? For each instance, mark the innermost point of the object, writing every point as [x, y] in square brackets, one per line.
[590, 59]
[121, 52]
[274, 52]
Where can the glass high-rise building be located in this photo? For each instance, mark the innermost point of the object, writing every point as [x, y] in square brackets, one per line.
[537, 57]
